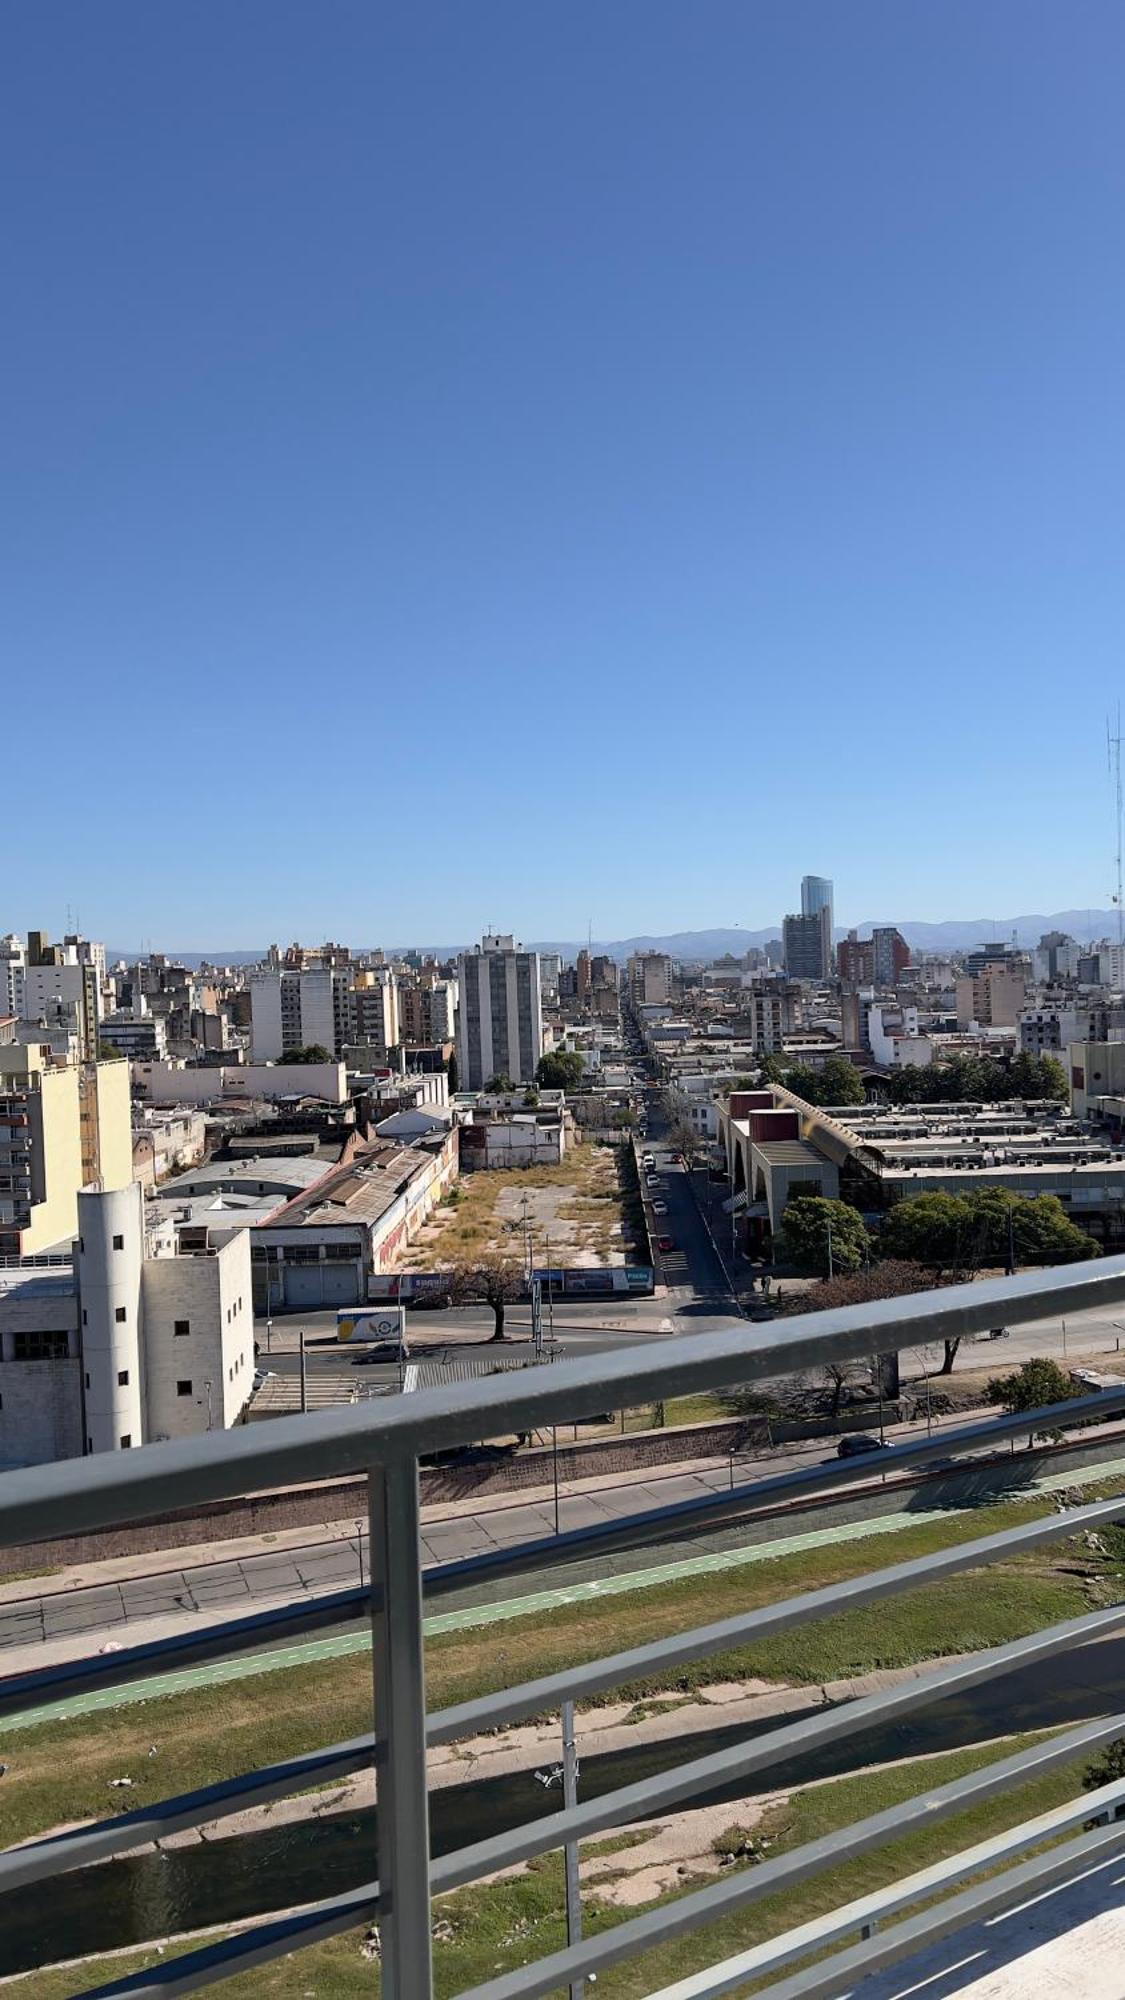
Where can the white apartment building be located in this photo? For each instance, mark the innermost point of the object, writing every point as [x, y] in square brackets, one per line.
[210, 1083]
[127, 1344]
[500, 1016]
[293, 1010]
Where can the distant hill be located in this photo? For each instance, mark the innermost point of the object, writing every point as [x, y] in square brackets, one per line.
[955, 934]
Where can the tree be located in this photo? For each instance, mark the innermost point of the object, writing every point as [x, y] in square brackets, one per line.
[1106, 1768]
[562, 1069]
[889, 1280]
[934, 1229]
[493, 1277]
[310, 1052]
[500, 1082]
[841, 1083]
[819, 1235]
[1034, 1385]
[452, 1075]
[109, 1052]
[957, 1233]
[1036, 1227]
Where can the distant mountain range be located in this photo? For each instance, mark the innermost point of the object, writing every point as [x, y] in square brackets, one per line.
[957, 933]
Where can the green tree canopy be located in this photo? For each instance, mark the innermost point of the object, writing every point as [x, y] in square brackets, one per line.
[814, 1230]
[984, 1079]
[562, 1069]
[311, 1052]
[837, 1082]
[1034, 1385]
[962, 1232]
[501, 1081]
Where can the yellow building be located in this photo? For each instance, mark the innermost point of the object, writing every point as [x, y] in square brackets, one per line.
[63, 1126]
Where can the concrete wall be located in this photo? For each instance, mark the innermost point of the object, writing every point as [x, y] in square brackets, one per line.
[55, 1216]
[110, 1257]
[115, 1125]
[40, 1412]
[166, 1083]
[211, 1296]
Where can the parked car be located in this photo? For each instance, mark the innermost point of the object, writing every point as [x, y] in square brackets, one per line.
[262, 1375]
[857, 1443]
[660, 1208]
[381, 1350]
[665, 1243]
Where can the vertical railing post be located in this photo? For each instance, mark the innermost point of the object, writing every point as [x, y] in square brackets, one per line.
[570, 1847]
[401, 1804]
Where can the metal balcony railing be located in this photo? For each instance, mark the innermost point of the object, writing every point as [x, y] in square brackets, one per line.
[385, 1440]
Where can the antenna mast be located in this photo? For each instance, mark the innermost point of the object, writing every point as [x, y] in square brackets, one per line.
[1113, 755]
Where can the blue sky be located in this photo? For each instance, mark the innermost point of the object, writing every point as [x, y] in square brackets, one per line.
[534, 464]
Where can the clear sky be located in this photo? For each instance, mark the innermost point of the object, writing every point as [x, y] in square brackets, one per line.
[525, 464]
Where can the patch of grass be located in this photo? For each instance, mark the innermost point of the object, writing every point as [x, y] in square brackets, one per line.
[506, 1924]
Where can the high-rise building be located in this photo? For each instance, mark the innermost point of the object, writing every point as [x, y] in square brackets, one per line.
[63, 1126]
[500, 1013]
[650, 978]
[807, 942]
[891, 954]
[293, 1009]
[816, 895]
[855, 959]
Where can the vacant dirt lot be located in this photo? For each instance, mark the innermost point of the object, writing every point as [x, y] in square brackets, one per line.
[578, 1214]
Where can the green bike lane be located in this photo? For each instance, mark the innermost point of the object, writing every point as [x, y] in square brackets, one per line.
[303, 1653]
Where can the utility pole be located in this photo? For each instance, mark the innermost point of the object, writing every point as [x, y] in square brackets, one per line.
[304, 1379]
[828, 1226]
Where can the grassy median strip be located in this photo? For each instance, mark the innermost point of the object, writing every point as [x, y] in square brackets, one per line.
[60, 1772]
[483, 1931]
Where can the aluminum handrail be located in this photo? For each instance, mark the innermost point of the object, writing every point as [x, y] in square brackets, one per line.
[385, 1441]
[40, 1501]
[40, 1859]
[249, 1633]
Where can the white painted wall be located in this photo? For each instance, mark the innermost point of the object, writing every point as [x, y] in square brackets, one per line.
[210, 1296]
[110, 1260]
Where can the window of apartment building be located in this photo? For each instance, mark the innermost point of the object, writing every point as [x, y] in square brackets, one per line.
[119, 1243]
[40, 1346]
[85, 1317]
[180, 1327]
[123, 1378]
[119, 1314]
[127, 1441]
[183, 1388]
[87, 1381]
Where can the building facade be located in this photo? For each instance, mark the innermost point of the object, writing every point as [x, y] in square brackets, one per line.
[500, 1015]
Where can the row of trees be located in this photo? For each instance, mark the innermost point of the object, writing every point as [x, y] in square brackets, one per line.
[951, 1235]
[977, 1079]
[964, 1078]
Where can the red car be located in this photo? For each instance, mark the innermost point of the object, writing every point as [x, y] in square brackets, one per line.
[665, 1243]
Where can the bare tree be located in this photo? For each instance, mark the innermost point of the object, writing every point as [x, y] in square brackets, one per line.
[493, 1278]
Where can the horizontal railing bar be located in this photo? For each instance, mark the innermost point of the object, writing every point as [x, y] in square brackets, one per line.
[213, 1962]
[784, 1871]
[339, 1760]
[43, 1501]
[760, 1959]
[39, 1860]
[763, 1621]
[235, 1637]
[58, 1684]
[361, 1904]
[737, 1501]
[665, 1789]
[1001, 1892]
